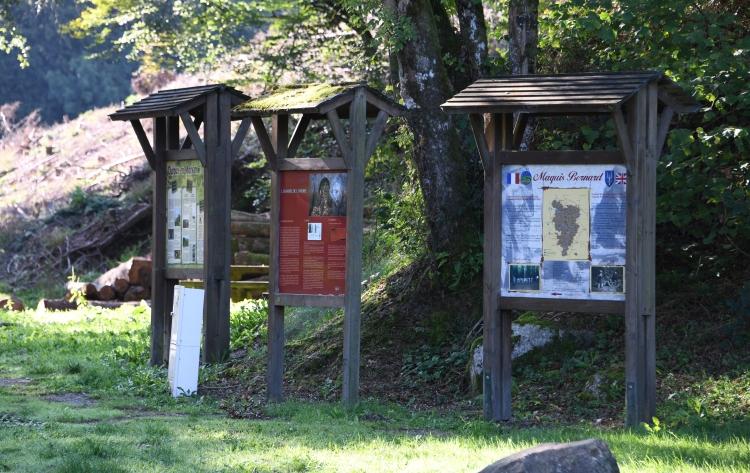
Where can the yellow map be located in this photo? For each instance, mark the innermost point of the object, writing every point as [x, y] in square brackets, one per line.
[565, 224]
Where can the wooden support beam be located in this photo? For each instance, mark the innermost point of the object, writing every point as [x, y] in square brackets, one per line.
[665, 120]
[298, 135]
[192, 132]
[519, 129]
[188, 143]
[265, 142]
[145, 145]
[477, 127]
[159, 287]
[275, 371]
[640, 340]
[384, 105]
[354, 228]
[377, 131]
[340, 135]
[497, 342]
[240, 136]
[623, 136]
[172, 146]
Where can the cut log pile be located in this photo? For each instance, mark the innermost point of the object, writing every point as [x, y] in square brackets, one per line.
[250, 238]
[129, 281]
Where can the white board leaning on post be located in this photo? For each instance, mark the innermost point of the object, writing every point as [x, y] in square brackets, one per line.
[564, 231]
[185, 343]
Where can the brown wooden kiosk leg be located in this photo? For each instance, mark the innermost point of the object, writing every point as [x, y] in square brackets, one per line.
[159, 309]
[640, 339]
[497, 343]
[280, 140]
[355, 197]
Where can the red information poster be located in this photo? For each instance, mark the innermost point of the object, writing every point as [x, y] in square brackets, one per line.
[312, 232]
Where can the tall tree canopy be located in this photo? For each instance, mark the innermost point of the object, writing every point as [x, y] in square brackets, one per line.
[429, 49]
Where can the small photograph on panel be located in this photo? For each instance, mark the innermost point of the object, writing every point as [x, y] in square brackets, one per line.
[608, 279]
[173, 185]
[170, 234]
[177, 254]
[327, 193]
[523, 278]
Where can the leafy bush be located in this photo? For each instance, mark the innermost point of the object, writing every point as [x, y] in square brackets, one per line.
[248, 322]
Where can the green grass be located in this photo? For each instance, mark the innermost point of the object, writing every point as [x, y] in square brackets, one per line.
[132, 425]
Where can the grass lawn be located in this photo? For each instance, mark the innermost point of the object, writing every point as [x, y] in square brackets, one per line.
[76, 396]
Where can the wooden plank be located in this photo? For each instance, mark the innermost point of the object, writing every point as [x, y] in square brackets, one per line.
[500, 88]
[265, 142]
[648, 251]
[334, 102]
[313, 164]
[497, 343]
[298, 135]
[354, 227]
[581, 100]
[634, 323]
[240, 136]
[275, 371]
[377, 130]
[384, 105]
[143, 140]
[308, 300]
[563, 305]
[222, 240]
[184, 273]
[566, 109]
[181, 154]
[675, 104]
[188, 143]
[341, 138]
[562, 157]
[159, 243]
[477, 128]
[542, 95]
[280, 135]
[623, 137]
[198, 145]
[665, 120]
[172, 143]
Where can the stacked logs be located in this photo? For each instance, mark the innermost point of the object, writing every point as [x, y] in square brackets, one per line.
[128, 281]
[250, 238]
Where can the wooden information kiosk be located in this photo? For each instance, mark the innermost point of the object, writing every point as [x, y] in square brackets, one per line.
[316, 210]
[571, 230]
[191, 204]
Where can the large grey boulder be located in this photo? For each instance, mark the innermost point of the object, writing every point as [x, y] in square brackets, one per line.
[586, 456]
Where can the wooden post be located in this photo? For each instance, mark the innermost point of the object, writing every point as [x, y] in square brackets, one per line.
[497, 343]
[280, 141]
[355, 184]
[172, 143]
[222, 234]
[216, 191]
[159, 309]
[640, 340]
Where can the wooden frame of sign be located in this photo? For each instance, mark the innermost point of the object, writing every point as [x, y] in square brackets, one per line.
[331, 103]
[211, 156]
[641, 106]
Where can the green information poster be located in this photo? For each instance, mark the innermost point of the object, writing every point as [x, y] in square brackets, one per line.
[185, 214]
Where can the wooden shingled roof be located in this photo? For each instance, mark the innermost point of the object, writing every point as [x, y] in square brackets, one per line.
[174, 101]
[590, 92]
[316, 100]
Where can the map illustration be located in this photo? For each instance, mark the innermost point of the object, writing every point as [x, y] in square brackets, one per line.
[565, 222]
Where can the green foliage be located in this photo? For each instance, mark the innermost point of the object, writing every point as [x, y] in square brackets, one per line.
[704, 205]
[57, 76]
[427, 365]
[84, 202]
[739, 328]
[248, 323]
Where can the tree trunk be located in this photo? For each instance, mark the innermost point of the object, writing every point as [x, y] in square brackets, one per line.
[523, 30]
[443, 165]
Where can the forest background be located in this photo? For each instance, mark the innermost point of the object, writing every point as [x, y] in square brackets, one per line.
[66, 57]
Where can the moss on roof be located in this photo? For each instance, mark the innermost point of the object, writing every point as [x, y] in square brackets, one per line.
[295, 97]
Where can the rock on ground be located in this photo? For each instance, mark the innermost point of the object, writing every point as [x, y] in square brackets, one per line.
[586, 456]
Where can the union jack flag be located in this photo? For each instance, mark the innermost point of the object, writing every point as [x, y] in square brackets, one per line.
[621, 178]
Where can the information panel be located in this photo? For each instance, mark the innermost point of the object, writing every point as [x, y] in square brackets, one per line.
[312, 232]
[563, 231]
[185, 214]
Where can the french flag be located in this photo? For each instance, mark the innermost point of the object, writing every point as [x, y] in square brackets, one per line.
[513, 177]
